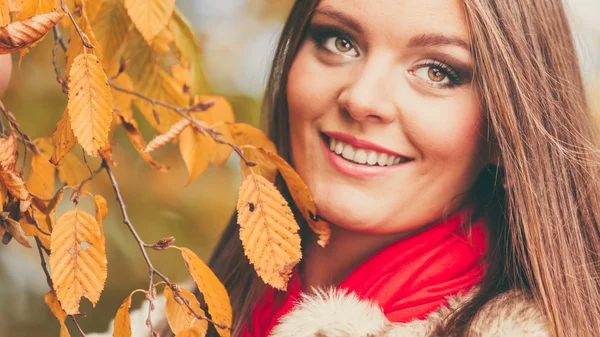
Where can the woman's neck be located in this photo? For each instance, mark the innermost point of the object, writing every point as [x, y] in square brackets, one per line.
[329, 266]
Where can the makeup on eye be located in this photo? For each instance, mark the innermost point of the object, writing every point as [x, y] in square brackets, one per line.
[324, 35]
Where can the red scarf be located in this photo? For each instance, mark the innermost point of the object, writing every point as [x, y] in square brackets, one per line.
[409, 279]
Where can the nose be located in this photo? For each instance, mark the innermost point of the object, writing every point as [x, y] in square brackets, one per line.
[366, 97]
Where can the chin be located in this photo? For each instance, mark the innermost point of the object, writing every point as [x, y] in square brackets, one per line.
[349, 216]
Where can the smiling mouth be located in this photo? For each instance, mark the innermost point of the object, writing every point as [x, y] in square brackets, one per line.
[363, 156]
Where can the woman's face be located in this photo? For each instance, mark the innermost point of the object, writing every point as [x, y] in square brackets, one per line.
[385, 124]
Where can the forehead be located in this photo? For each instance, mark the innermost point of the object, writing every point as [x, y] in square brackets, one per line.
[398, 20]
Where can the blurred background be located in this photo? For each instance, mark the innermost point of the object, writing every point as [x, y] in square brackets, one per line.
[237, 40]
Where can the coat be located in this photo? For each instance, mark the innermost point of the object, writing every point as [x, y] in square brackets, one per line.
[335, 313]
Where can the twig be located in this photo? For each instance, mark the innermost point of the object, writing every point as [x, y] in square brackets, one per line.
[58, 41]
[82, 35]
[151, 270]
[78, 188]
[182, 111]
[86, 162]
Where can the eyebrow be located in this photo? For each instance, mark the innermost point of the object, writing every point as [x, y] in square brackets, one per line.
[423, 40]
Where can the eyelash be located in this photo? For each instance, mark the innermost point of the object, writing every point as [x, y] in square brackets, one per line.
[320, 34]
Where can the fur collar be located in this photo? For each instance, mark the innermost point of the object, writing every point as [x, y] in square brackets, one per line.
[335, 313]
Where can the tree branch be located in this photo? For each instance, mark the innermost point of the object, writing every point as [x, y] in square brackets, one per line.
[82, 35]
[58, 41]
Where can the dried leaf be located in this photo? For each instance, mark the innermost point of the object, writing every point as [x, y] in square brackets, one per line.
[101, 207]
[214, 292]
[21, 34]
[184, 38]
[3, 195]
[191, 332]
[60, 315]
[162, 41]
[76, 48]
[30, 229]
[244, 134]
[14, 228]
[42, 178]
[8, 173]
[268, 230]
[301, 195]
[78, 260]
[161, 140]
[139, 144]
[72, 171]
[122, 324]
[110, 27]
[90, 103]
[221, 111]
[196, 150]
[179, 315]
[150, 16]
[63, 138]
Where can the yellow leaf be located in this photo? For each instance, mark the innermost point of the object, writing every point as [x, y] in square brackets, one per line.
[8, 173]
[21, 34]
[268, 230]
[72, 171]
[101, 207]
[196, 150]
[34, 7]
[90, 103]
[78, 260]
[161, 140]
[122, 101]
[162, 41]
[244, 134]
[41, 180]
[110, 26]
[221, 111]
[301, 195]
[179, 315]
[14, 228]
[16, 5]
[122, 324]
[92, 7]
[139, 144]
[76, 47]
[30, 229]
[4, 13]
[191, 332]
[214, 292]
[150, 16]
[63, 138]
[60, 315]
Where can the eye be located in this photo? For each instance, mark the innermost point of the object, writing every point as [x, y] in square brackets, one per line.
[437, 74]
[340, 45]
[432, 74]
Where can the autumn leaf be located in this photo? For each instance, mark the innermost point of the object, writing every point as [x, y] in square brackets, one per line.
[162, 41]
[30, 229]
[122, 323]
[161, 140]
[90, 103]
[14, 228]
[245, 134]
[34, 7]
[63, 138]
[78, 260]
[150, 16]
[122, 101]
[72, 171]
[52, 302]
[4, 13]
[139, 144]
[301, 195]
[76, 46]
[214, 292]
[196, 150]
[190, 332]
[268, 230]
[3, 195]
[42, 177]
[21, 34]
[179, 315]
[101, 207]
[8, 172]
[110, 26]
[183, 37]
[220, 112]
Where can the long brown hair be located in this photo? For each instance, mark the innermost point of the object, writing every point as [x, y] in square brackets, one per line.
[541, 205]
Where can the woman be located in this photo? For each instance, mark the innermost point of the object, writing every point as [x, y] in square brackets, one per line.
[450, 146]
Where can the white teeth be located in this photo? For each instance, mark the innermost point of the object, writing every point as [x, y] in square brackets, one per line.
[348, 152]
[382, 160]
[372, 158]
[339, 147]
[362, 156]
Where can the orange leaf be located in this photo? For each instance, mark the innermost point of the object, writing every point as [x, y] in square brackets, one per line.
[150, 16]
[54, 306]
[196, 150]
[78, 260]
[101, 211]
[72, 171]
[42, 177]
[3, 195]
[245, 134]
[8, 174]
[122, 101]
[90, 103]
[29, 8]
[110, 26]
[220, 112]
[4, 13]
[214, 292]
[302, 197]
[21, 34]
[161, 140]
[79, 12]
[30, 229]
[179, 315]
[139, 144]
[63, 138]
[268, 230]
[191, 332]
[14, 228]
[122, 324]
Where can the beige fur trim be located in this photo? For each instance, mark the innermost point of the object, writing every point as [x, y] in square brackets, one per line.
[336, 313]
